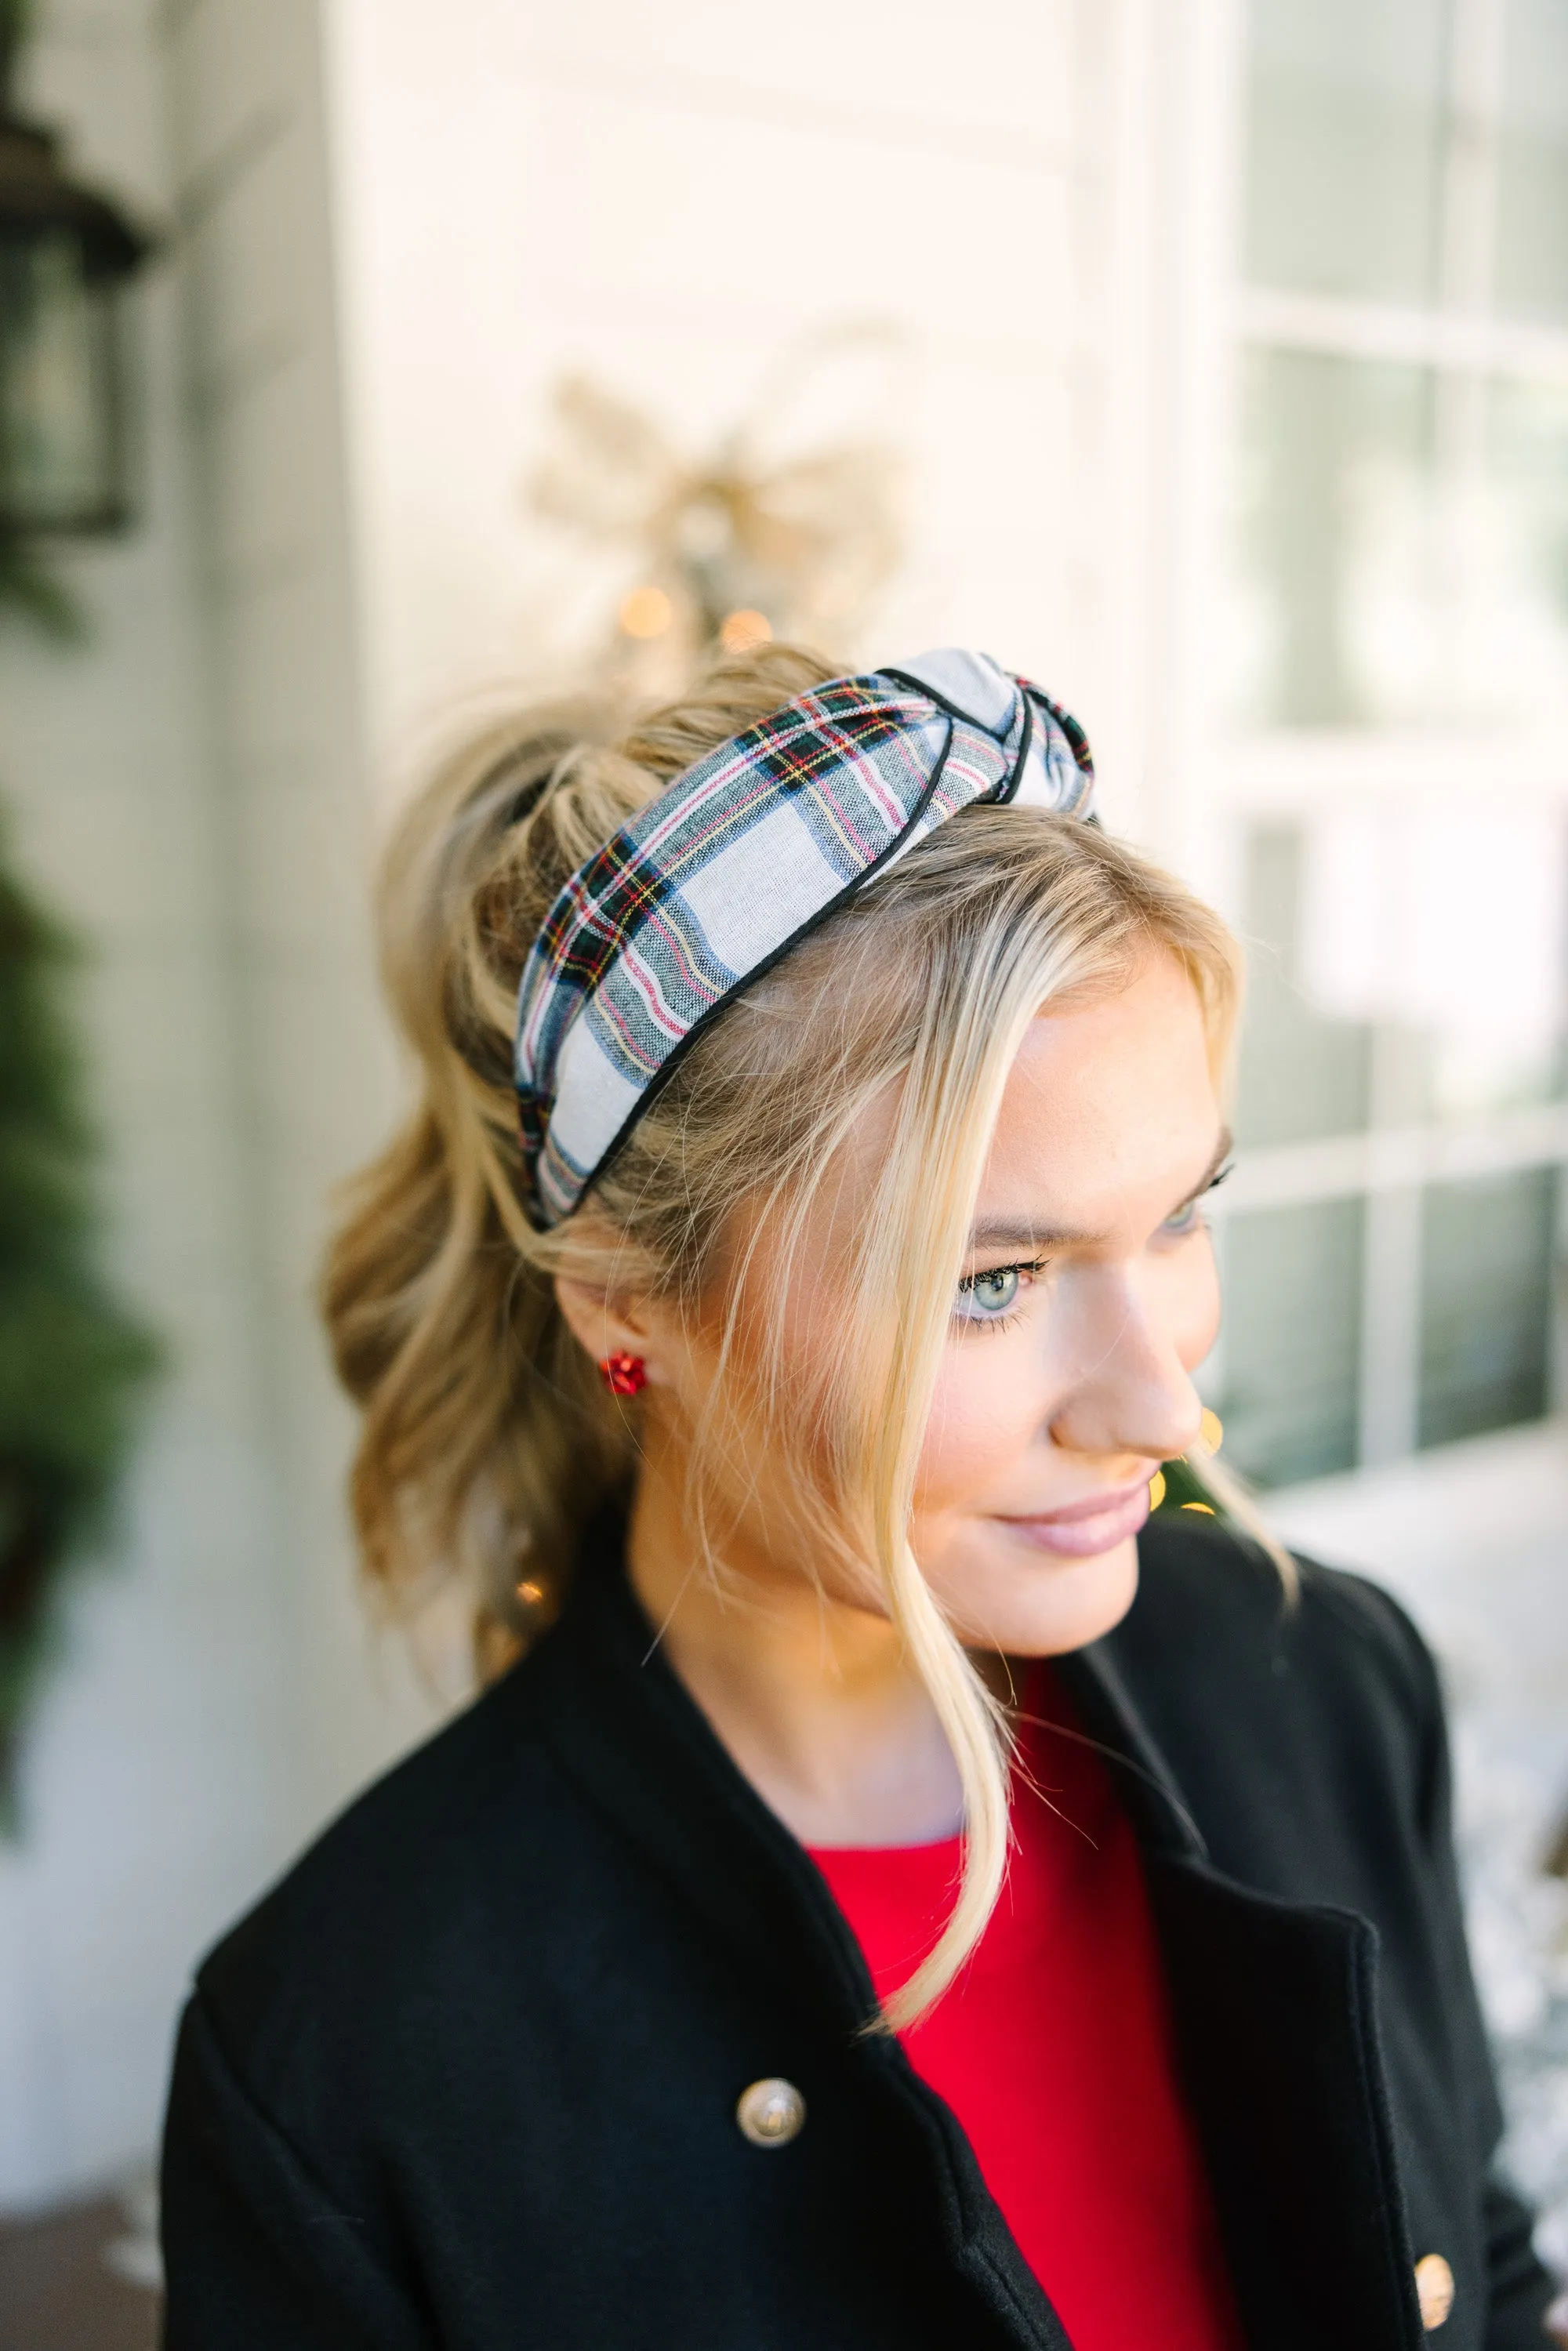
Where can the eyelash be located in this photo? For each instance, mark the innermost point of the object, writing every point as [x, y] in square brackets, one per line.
[1186, 1221]
[1030, 1265]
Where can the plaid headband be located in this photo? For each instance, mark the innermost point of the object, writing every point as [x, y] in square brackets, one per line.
[738, 859]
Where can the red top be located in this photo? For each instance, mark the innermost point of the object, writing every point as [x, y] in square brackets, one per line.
[1053, 2049]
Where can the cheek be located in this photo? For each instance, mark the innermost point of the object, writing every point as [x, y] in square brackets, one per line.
[986, 1408]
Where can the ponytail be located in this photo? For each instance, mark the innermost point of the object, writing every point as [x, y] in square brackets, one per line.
[487, 1440]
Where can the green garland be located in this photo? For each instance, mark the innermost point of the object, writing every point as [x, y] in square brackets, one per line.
[32, 591]
[71, 1359]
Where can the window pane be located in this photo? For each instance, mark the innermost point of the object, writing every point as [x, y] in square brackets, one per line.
[1292, 1319]
[1301, 1073]
[1515, 634]
[1346, 115]
[1532, 162]
[1411, 968]
[1334, 616]
[1369, 589]
[1486, 1293]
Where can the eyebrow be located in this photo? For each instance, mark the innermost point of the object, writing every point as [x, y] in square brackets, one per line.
[1007, 1233]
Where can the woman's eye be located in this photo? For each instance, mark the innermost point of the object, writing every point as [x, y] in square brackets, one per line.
[1188, 1219]
[982, 1297]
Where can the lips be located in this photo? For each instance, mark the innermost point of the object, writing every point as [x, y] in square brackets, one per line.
[1083, 1530]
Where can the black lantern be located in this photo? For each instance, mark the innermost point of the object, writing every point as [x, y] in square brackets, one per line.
[65, 253]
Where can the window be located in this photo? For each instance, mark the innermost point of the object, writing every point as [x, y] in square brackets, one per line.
[1391, 792]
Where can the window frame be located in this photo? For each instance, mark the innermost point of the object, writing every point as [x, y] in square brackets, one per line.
[1246, 776]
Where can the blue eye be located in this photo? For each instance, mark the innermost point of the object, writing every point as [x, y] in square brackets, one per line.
[985, 1297]
[1187, 1220]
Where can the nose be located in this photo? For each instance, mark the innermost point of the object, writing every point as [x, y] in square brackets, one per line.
[1126, 1388]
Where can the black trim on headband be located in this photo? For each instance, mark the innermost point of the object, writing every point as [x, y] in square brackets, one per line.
[1003, 797]
[1010, 791]
[699, 1026]
[929, 693]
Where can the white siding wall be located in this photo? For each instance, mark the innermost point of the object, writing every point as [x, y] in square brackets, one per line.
[184, 790]
[150, 1790]
[266, 437]
[666, 199]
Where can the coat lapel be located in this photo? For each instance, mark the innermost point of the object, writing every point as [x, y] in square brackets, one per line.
[1273, 2006]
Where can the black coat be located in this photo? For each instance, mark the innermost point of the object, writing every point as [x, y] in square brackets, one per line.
[467, 2078]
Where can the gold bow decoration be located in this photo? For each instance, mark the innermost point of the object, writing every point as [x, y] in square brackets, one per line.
[736, 545]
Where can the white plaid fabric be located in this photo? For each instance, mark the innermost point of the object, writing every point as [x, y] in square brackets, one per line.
[738, 859]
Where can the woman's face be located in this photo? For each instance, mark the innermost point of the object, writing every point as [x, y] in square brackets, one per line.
[1088, 1298]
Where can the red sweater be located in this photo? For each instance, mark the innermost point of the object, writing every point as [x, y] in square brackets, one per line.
[1053, 2049]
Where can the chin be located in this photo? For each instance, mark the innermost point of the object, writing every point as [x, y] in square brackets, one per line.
[1039, 1607]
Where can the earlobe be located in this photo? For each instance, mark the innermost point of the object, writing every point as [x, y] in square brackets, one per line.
[610, 1332]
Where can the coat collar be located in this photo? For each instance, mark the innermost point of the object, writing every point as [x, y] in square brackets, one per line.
[1146, 1782]
[624, 1728]
[1272, 2002]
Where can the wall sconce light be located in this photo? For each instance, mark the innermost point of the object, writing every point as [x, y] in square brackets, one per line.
[64, 255]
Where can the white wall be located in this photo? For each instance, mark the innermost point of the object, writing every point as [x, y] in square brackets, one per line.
[666, 198]
[130, 1855]
[317, 1085]
[185, 790]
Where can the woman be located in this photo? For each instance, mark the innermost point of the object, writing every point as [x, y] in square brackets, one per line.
[899, 1898]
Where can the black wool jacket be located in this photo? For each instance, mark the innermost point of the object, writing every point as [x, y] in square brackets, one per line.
[468, 2077]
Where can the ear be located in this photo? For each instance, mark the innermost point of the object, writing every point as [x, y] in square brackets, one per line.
[605, 1325]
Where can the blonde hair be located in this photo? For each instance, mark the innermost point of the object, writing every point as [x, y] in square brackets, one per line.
[487, 1438]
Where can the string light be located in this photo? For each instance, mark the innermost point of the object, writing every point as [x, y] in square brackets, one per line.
[645, 612]
[742, 632]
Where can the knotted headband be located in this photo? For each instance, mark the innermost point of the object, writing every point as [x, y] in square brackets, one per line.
[738, 859]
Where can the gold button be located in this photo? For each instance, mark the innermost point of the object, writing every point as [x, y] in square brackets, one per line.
[771, 2112]
[1434, 2290]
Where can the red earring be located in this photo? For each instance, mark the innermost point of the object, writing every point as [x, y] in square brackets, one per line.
[624, 1375]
